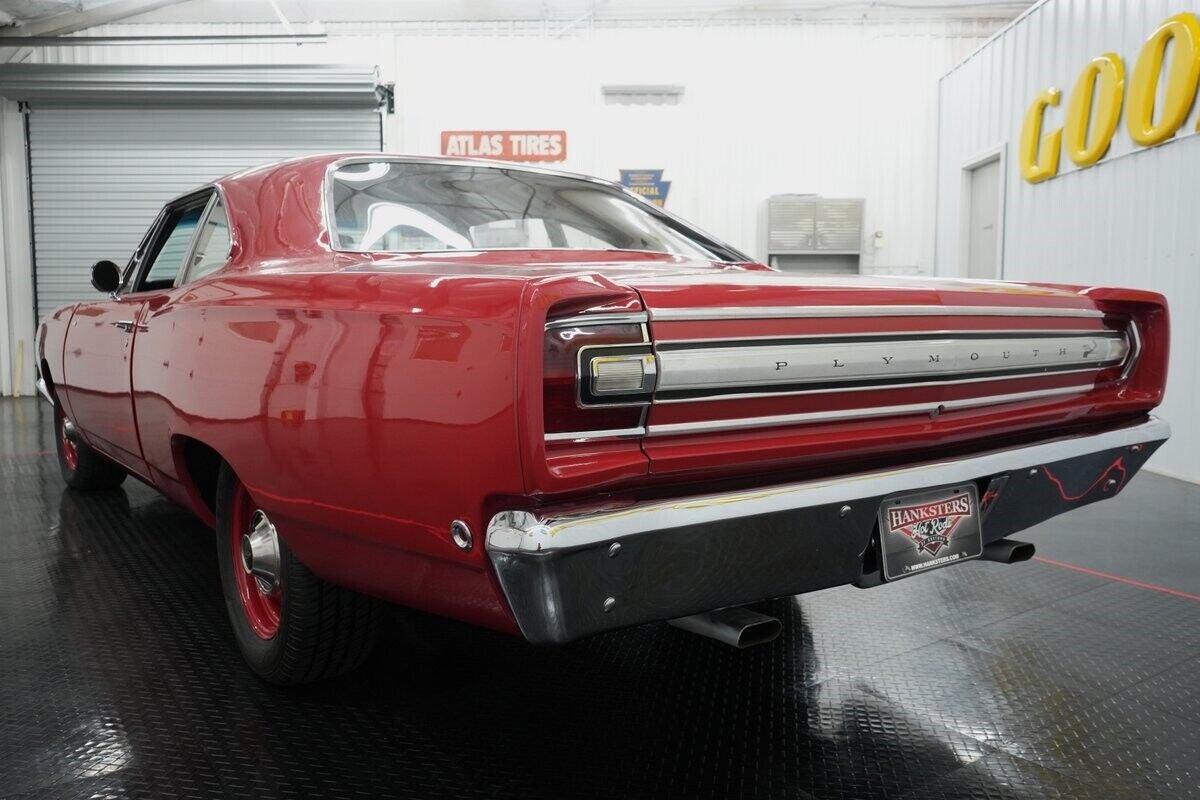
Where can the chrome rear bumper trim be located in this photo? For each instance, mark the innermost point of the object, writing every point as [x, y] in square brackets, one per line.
[588, 436]
[525, 531]
[579, 570]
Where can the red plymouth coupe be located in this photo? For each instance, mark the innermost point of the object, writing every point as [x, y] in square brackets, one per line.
[532, 401]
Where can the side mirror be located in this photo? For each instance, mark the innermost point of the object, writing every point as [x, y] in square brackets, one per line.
[106, 276]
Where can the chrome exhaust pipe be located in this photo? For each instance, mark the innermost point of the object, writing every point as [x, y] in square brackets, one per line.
[737, 626]
[1008, 551]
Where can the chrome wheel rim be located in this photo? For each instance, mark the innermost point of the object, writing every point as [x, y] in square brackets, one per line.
[68, 434]
[260, 552]
[257, 573]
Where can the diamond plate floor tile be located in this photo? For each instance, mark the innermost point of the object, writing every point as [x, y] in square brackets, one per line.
[1120, 742]
[1175, 690]
[1070, 649]
[999, 776]
[119, 678]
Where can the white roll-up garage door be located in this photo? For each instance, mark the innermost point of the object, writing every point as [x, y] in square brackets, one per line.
[99, 173]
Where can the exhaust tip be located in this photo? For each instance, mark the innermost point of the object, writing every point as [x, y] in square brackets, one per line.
[1008, 551]
[738, 626]
[767, 630]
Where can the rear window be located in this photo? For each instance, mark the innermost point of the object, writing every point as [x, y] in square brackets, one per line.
[395, 206]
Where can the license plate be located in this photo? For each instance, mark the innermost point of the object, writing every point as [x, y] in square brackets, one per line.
[920, 531]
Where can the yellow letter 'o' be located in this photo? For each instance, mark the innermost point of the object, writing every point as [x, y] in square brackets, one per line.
[1183, 72]
[1098, 119]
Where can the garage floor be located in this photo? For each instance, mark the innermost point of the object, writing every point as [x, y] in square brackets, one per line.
[119, 678]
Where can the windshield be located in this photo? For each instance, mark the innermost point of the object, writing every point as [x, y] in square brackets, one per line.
[400, 206]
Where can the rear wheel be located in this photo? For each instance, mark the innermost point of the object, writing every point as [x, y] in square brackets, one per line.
[80, 465]
[291, 626]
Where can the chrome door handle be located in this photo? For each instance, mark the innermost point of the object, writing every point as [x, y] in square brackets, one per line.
[129, 325]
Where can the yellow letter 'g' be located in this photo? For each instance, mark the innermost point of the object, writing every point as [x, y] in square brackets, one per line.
[1038, 155]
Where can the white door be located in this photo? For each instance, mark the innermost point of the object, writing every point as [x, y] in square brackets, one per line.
[983, 226]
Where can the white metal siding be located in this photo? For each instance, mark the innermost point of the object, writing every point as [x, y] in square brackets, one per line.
[839, 107]
[836, 107]
[100, 175]
[1130, 220]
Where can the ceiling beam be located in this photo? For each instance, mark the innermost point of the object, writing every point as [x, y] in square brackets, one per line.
[73, 21]
[237, 38]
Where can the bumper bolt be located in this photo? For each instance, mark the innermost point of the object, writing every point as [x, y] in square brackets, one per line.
[1110, 483]
[609, 603]
[1033, 472]
[613, 549]
[1137, 448]
[844, 511]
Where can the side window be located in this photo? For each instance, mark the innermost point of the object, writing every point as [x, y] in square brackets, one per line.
[212, 244]
[143, 248]
[163, 267]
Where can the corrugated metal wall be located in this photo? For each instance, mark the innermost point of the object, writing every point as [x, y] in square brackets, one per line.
[100, 175]
[839, 108]
[1130, 220]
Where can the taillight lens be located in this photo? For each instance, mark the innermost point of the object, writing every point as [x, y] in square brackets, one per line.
[597, 377]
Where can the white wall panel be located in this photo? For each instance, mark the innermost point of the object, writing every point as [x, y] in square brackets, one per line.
[842, 108]
[838, 108]
[1130, 220]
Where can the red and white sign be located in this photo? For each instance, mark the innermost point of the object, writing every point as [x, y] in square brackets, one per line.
[506, 145]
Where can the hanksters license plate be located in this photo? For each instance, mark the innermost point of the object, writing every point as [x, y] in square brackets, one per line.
[920, 531]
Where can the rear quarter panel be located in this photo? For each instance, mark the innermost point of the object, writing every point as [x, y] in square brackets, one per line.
[51, 340]
[365, 411]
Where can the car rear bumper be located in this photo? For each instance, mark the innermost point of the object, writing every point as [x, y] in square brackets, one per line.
[572, 572]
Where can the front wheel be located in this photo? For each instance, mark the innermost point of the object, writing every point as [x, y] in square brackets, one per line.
[291, 626]
[80, 465]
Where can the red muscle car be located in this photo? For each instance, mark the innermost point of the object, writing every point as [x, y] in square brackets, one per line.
[532, 401]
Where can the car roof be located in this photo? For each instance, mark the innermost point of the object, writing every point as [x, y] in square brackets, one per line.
[323, 161]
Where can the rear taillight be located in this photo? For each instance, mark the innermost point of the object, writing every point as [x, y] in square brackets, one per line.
[598, 376]
[1145, 322]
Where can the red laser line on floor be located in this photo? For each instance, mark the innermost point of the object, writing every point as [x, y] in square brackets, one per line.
[1154, 587]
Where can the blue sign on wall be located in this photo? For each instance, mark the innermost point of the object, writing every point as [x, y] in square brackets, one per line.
[648, 183]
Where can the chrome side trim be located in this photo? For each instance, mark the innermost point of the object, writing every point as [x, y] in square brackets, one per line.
[698, 369]
[845, 414]
[543, 531]
[639, 318]
[711, 398]
[933, 333]
[44, 390]
[592, 436]
[791, 312]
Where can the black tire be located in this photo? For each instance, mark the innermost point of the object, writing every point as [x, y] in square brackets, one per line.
[82, 467]
[320, 631]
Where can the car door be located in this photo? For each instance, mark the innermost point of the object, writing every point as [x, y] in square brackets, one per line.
[162, 387]
[98, 360]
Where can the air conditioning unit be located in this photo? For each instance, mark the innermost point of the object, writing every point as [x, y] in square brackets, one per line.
[808, 233]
